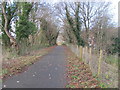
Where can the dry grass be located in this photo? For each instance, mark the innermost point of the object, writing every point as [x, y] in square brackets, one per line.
[108, 71]
[19, 64]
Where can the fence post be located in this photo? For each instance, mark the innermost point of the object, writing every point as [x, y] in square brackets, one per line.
[86, 49]
[83, 52]
[77, 51]
[90, 55]
[90, 51]
[80, 52]
[72, 48]
[99, 62]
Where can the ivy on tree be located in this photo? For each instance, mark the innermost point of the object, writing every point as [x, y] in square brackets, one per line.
[116, 45]
[10, 10]
[24, 27]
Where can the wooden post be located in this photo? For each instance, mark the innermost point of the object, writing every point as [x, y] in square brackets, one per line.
[81, 52]
[76, 50]
[99, 62]
[86, 49]
[90, 52]
[72, 48]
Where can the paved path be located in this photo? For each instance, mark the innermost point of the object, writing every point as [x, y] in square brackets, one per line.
[49, 72]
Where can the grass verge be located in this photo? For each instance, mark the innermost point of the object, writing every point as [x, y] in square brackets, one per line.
[20, 64]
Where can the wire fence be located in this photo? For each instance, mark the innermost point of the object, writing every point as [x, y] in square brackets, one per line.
[105, 72]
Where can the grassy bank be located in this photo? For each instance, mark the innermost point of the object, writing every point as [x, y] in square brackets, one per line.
[19, 64]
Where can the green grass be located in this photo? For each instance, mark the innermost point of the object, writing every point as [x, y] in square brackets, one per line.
[112, 59]
[70, 86]
[103, 85]
[75, 77]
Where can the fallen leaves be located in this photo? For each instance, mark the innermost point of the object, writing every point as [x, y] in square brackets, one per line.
[78, 73]
[18, 65]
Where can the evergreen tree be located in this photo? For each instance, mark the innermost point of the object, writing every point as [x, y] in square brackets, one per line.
[24, 27]
[116, 45]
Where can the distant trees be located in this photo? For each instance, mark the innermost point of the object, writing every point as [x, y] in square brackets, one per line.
[47, 22]
[49, 29]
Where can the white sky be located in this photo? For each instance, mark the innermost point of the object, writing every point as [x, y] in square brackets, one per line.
[115, 10]
[114, 5]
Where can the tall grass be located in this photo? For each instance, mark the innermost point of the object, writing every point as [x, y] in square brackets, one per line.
[26, 46]
[112, 59]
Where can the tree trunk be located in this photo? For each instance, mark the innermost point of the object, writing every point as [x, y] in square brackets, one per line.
[5, 27]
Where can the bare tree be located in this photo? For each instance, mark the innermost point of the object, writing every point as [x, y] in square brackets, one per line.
[101, 31]
[88, 13]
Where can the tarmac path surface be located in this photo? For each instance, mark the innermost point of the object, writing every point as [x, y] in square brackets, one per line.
[48, 72]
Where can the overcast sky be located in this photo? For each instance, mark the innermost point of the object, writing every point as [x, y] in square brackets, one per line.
[114, 5]
[115, 10]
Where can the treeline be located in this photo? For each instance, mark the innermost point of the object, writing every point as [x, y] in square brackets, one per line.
[26, 26]
[89, 24]
[38, 24]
